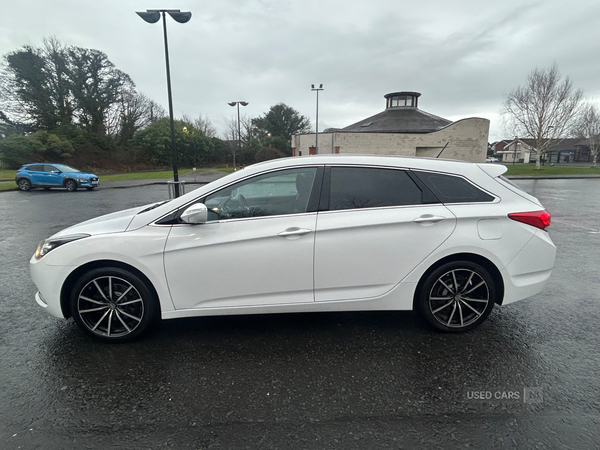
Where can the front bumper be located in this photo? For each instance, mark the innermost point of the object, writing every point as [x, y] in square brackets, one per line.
[49, 280]
[92, 182]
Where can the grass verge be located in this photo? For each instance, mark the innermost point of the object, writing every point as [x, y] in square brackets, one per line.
[530, 170]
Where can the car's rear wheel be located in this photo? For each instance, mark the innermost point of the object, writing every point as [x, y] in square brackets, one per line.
[24, 184]
[457, 296]
[113, 304]
[71, 186]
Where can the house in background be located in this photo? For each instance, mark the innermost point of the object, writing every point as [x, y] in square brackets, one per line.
[402, 129]
[499, 146]
[561, 151]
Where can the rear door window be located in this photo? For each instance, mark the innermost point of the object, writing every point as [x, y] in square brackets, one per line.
[366, 187]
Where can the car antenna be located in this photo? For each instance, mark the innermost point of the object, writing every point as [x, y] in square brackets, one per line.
[442, 149]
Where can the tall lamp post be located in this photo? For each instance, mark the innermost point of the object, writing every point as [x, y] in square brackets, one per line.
[239, 130]
[320, 88]
[153, 16]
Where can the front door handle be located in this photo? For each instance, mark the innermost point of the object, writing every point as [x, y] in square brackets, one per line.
[294, 232]
[429, 219]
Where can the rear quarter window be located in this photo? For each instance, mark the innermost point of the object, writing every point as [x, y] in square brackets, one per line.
[453, 189]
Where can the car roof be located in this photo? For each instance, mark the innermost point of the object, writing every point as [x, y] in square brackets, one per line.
[409, 162]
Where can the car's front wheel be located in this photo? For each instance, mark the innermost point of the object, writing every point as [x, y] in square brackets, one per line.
[24, 184]
[457, 296]
[71, 186]
[113, 304]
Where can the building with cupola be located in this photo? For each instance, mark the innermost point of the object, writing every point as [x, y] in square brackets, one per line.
[402, 129]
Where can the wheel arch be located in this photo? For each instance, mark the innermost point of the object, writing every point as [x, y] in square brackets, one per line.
[67, 179]
[65, 291]
[472, 257]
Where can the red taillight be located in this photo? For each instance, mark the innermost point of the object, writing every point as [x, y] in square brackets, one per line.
[538, 219]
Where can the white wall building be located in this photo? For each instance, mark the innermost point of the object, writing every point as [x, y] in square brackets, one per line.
[402, 129]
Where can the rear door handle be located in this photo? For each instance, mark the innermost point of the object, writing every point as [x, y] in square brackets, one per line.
[429, 219]
[294, 232]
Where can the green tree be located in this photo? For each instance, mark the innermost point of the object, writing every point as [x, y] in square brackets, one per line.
[96, 84]
[62, 89]
[35, 87]
[18, 149]
[192, 145]
[276, 127]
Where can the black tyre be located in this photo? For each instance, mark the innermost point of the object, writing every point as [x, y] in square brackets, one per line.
[71, 185]
[113, 304]
[457, 296]
[24, 184]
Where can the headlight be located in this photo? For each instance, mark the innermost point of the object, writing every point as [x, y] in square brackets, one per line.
[47, 245]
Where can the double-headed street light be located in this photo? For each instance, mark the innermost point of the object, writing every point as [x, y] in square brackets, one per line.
[153, 16]
[320, 88]
[239, 131]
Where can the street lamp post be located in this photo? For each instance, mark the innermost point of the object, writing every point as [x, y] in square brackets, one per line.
[239, 131]
[153, 16]
[320, 88]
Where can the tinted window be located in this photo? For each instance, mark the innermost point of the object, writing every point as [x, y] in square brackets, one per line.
[36, 168]
[276, 193]
[453, 189]
[354, 187]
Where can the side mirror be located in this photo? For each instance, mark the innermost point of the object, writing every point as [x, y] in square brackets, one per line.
[195, 214]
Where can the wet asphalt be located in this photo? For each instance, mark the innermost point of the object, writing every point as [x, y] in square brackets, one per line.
[304, 381]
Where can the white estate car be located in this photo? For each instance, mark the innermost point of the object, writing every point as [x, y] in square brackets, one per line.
[318, 233]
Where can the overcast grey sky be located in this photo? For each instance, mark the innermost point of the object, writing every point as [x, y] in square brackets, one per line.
[464, 56]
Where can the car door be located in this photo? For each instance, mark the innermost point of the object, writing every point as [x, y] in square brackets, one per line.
[36, 174]
[256, 248]
[375, 226]
[53, 176]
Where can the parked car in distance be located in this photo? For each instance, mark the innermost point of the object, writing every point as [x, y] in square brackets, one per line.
[448, 239]
[47, 176]
[491, 159]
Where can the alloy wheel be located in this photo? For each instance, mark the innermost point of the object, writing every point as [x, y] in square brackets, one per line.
[110, 306]
[459, 298]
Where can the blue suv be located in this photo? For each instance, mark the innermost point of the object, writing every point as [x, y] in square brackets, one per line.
[54, 175]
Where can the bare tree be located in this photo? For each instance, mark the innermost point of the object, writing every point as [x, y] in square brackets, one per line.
[544, 109]
[204, 124]
[132, 113]
[588, 127]
[231, 134]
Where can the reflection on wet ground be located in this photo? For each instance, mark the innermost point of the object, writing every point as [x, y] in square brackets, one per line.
[335, 380]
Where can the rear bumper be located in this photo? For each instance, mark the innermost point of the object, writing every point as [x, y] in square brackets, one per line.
[528, 273]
